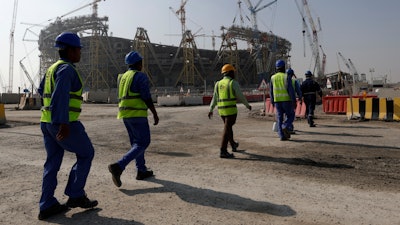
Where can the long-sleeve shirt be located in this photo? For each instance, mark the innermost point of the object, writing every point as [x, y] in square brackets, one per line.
[237, 92]
[310, 87]
[66, 80]
[290, 90]
[140, 84]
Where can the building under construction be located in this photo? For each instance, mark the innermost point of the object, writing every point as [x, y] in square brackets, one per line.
[167, 66]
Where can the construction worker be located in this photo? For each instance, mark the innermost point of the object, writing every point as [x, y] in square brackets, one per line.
[61, 90]
[296, 86]
[226, 93]
[310, 88]
[283, 99]
[134, 101]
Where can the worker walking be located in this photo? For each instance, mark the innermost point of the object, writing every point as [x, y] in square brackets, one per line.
[226, 93]
[310, 88]
[296, 87]
[134, 101]
[283, 98]
[61, 90]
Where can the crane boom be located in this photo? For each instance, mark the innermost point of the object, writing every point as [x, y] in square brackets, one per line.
[27, 75]
[11, 61]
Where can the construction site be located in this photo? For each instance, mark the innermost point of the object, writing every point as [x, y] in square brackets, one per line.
[170, 68]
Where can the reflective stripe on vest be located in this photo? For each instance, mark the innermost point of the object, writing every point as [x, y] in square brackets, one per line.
[279, 82]
[130, 104]
[75, 98]
[226, 97]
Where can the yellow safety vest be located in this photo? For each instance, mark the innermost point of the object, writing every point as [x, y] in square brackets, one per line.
[279, 82]
[226, 97]
[130, 104]
[75, 98]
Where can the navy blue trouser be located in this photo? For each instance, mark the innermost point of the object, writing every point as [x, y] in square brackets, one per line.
[281, 109]
[139, 136]
[310, 101]
[77, 142]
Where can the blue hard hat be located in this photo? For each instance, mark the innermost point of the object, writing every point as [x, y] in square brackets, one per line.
[280, 63]
[290, 72]
[308, 73]
[132, 58]
[68, 39]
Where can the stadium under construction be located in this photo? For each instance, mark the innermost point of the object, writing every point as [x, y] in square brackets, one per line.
[168, 67]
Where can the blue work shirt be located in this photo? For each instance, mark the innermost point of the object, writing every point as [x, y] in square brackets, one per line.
[140, 84]
[290, 90]
[66, 80]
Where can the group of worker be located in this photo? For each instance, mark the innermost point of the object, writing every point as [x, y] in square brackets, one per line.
[61, 90]
[283, 90]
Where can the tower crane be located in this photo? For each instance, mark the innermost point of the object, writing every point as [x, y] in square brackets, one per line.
[354, 70]
[189, 73]
[314, 39]
[259, 58]
[11, 62]
[254, 10]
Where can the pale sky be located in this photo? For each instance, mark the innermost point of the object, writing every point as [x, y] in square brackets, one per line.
[366, 31]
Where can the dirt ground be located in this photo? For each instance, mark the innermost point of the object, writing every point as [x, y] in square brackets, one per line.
[340, 172]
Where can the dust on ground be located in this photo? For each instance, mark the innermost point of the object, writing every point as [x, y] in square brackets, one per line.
[340, 172]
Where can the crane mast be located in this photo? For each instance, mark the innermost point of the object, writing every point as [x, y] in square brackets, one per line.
[312, 36]
[11, 61]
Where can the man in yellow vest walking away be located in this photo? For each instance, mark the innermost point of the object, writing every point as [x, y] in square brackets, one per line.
[226, 94]
[134, 101]
[283, 98]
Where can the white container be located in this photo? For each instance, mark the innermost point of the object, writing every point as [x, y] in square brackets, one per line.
[275, 127]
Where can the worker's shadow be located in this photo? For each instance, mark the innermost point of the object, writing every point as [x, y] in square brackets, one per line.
[211, 198]
[293, 161]
[87, 217]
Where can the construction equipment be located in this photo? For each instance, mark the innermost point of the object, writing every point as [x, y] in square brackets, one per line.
[313, 39]
[11, 62]
[142, 43]
[27, 75]
[260, 57]
[190, 75]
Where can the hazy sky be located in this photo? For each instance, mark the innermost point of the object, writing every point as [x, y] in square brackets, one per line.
[366, 31]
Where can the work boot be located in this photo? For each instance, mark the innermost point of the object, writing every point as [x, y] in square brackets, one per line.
[143, 175]
[116, 172]
[225, 154]
[286, 133]
[235, 146]
[52, 210]
[82, 202]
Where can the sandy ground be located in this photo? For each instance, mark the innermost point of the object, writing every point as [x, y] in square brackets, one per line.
[341, 172]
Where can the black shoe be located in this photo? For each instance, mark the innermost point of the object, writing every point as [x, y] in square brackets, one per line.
[82, 202]
[284, 139]
[52, 210]
[235, 146]
[116, 172]
[143, 175]
[226, 155]
[312, 125]
[286, 133]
